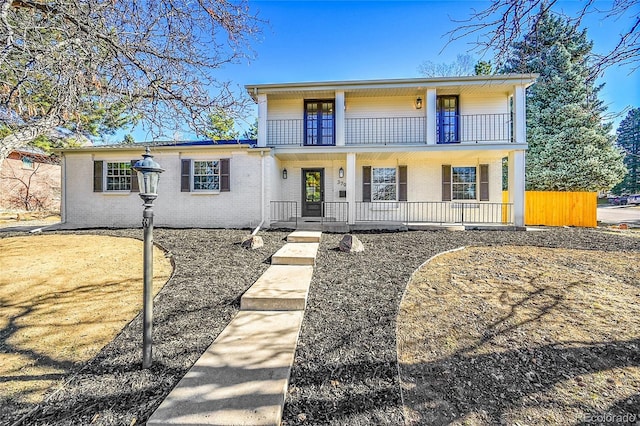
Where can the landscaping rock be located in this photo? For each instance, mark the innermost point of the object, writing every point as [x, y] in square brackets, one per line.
[351, 244]
[252, 242]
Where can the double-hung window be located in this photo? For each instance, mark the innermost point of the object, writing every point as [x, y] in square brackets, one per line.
[118, 176]
[384, 183]
[319, 122]
[205, 175]
[114, 176]
[465, 183]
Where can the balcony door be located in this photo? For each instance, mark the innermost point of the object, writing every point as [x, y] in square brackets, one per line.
[448, 119]
[312, 192]
[319, 122]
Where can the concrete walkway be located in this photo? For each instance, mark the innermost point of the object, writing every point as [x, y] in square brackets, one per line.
[243, 376]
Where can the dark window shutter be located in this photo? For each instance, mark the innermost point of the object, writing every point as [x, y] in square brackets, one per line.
[225, 184]
[402, 190]
[134, 178]
[484, 182]
[97, 176]
[185, 176]
[446, 182]
[366, 183]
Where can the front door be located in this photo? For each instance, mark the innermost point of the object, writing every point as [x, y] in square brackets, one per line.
[312, 192]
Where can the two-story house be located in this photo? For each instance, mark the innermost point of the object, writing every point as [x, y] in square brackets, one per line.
[353, 153]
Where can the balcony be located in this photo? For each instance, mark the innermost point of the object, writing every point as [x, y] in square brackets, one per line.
[465, 129]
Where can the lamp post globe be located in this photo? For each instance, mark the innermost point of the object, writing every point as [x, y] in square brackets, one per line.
[148, 172]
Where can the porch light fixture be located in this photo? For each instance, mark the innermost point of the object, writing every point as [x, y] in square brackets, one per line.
[419, 103]
[284, 173]
[341, 173]
[148, 172]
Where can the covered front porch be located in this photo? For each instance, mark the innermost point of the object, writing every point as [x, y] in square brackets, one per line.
[344, 191]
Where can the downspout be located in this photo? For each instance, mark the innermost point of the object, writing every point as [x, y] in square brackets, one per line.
[63, 190]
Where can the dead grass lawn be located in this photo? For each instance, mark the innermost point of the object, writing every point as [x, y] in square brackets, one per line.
[520, 335]
[62, 298]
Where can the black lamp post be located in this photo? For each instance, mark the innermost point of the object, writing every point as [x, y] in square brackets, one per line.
[148, 175]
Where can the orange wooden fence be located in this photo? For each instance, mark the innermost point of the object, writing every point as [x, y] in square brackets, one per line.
[552, 208]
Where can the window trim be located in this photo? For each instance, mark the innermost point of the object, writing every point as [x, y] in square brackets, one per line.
[100, 171]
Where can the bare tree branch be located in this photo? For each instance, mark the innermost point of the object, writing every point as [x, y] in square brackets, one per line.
[495, 28]
[94, 64]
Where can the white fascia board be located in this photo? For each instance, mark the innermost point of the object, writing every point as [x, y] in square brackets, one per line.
[500, 79]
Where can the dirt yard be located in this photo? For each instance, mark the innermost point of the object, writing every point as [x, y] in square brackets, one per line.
[62, 298]
[523, 335]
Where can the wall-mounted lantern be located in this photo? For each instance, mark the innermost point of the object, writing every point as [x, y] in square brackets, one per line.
[419, 103]
[341, 173]
[284, 173]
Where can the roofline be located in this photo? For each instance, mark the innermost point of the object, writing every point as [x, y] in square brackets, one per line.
[158, 148]
[526, 79]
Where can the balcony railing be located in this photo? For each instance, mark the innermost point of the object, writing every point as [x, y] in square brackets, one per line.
[438, 212]
[477, 128]
[385, 131]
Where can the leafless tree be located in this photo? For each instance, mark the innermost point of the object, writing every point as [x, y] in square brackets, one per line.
[503, 22]
[88, 65]
[32, 188]
[463, 65]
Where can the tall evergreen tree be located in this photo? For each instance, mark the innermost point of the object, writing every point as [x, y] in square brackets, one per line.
[570, 149]
[629, 141]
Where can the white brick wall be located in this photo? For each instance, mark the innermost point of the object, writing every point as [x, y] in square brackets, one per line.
[239, 208]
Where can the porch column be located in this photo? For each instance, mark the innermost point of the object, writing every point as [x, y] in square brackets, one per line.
[519, 115]
[351, 186]
[517, 185]
[340, 119]
[430, 110]
[262, 120]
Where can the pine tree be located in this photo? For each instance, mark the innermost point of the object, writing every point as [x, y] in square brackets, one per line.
[570, 149]
[629, 141]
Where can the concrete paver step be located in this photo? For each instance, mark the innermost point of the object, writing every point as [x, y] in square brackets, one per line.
[241, 379]
[280, 288]
[296, 254]
[304, 237]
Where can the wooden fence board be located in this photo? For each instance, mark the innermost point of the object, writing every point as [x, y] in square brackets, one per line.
[550, 208]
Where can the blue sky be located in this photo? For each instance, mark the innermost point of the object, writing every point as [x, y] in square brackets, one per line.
[352, 40]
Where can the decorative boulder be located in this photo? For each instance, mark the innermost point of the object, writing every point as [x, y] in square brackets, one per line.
[351, 244]
[252, 242]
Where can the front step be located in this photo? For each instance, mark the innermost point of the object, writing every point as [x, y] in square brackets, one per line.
[304, 237]
[280, 288]
[241, 379]
[296, 254]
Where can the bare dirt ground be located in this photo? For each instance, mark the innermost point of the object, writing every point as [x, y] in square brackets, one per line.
[345, 370]
[521, 335]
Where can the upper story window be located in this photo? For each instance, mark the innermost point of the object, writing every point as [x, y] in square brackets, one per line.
[319, 122]
[27, 163]
[447, 119]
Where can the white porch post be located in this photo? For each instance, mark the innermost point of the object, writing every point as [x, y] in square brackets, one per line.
[351, 186]
[340, 119]
[430, 110]
[519, 115]
[262, 120]
[517, 185]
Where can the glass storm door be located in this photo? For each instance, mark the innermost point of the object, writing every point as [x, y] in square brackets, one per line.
[312, 192]
[319, 123]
